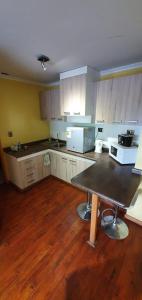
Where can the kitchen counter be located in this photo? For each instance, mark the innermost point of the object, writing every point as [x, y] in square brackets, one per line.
[109, 181]
[45, 145]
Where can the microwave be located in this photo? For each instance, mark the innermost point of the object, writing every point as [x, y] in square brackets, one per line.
[80, 139]
[124, 155]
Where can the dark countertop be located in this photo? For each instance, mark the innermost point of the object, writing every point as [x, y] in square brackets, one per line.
[44, 145]
[109, 180]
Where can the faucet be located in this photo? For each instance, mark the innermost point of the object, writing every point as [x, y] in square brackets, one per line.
[58, 140]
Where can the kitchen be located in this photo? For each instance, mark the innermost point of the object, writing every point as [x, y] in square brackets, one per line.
[66, 173]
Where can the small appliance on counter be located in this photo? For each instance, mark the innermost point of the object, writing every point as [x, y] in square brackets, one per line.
[126, 139]
[123, 154]
[80, 139]
[98, 146]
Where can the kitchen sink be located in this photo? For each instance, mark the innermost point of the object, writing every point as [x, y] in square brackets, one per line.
[58, 145]
[53, 144]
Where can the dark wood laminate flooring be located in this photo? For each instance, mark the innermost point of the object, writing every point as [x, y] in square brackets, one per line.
[44, 254]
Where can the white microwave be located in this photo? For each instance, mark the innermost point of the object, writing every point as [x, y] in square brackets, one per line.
[124, 155]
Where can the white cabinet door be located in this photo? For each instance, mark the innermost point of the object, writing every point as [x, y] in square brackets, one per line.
[134, 100]
[45, 105]
[55, 164]
[44, 168]
[65, 97]
[104, 105]
[64, 168]
[50, 104]
[126, 100]
[120, 98]
[73, 95]
[73, 168]
[55, 103]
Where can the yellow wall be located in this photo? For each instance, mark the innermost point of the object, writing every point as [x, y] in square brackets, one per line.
[20, 113]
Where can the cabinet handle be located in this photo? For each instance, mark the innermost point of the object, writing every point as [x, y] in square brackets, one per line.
[131, 121]
[31, 174]
[64, 158]
[29, 168]
[117, 122]
[60, 119]
[27, 161]
[76, 113]
[100, 121]
[31, 181]
[53, 118]
[73, 161]
[67, 113]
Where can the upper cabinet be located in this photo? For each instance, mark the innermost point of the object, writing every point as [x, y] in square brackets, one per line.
[50, 104]
[77, 92]
[104, 106]
[119, 100]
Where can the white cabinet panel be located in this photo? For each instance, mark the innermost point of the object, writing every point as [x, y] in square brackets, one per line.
[27, 171]
[55, 164]
[120, 100]
[73, 168]
[77, 96]
[64, 168]
[134, 100]
[50, 104]
[104, 105]
[45, 105]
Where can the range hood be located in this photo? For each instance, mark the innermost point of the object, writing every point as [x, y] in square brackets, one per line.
[77, 94]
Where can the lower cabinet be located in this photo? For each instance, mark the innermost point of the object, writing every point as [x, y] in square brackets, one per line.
[66, 166]
[25, 171]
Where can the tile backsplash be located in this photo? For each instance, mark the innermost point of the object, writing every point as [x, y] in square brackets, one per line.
[109, 130]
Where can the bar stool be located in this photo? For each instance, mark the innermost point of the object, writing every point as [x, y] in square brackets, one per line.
[84, 209]
[114, 227]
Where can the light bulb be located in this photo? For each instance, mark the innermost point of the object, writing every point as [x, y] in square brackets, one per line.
[44, 66]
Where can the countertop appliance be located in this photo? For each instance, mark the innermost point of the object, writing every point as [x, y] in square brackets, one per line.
[80, 139]
[125, 140]
[98, 146]
[124, 155]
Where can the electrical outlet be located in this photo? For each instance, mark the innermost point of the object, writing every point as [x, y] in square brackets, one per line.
[100, 129]
[10, 134]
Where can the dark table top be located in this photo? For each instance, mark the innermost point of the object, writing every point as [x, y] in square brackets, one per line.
[109, 180]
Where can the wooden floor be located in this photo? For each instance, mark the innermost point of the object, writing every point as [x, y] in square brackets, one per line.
[44, 254]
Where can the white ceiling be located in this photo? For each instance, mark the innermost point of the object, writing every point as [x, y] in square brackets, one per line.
[73, 33]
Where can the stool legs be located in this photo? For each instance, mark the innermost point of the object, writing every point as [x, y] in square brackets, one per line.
[114, 227]
[84, 209]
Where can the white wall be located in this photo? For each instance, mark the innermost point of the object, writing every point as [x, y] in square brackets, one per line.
[109, 130]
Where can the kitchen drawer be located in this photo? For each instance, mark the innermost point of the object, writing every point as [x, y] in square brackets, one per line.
[29, 169]
[29, 181]
[29, 163]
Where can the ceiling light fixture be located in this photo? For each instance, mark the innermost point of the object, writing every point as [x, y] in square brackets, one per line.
[43, 60]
